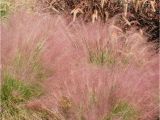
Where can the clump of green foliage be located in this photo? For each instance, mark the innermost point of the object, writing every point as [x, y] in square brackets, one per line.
[5, 8]
[14, 94]
[101, 58]
[8, 7]
[122, 110]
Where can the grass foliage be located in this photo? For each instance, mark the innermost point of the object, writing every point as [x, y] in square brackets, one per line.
[14, 94]
[124, 111]
[100, 71]
[5, 8]
[101, 58]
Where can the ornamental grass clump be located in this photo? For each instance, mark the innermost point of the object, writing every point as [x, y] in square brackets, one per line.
[90, 71]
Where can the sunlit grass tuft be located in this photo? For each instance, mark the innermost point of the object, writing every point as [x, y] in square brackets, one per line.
[122, 110]
[101, 58]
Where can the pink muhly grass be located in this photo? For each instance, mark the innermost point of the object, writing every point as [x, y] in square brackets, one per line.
[80, 87]
[96, 90]
[109, 39]
[22, 44]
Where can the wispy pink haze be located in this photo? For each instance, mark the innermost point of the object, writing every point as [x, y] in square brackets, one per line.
[93, 89]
